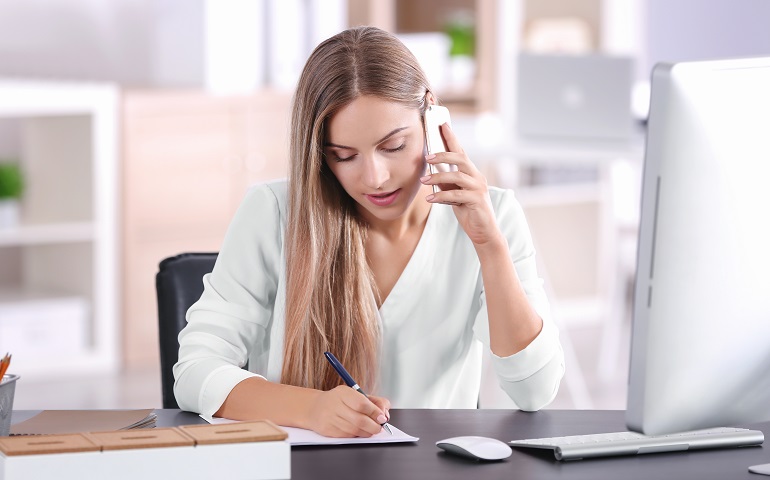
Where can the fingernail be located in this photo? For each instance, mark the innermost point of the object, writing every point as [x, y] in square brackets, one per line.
[425, 178]
[382, 419]
[430, 157]
[430, 197]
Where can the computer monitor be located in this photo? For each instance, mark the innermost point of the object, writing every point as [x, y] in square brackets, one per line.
[700, 350]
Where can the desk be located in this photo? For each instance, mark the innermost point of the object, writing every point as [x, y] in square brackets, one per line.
[424, 461]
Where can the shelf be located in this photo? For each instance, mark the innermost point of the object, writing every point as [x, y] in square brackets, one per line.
[36, 323]
[47, 234]
[554, 195]
[58, 295]
[17, 295]
[30, 98]
[428, 16]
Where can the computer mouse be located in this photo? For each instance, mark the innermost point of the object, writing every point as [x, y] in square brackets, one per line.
[477, 448]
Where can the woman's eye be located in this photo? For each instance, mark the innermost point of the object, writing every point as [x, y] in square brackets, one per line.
[395, 149]
[337, 158]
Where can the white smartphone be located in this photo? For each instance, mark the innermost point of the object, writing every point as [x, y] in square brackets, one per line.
[435, 116]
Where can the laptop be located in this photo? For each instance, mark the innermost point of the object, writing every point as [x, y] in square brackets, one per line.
[575, 97]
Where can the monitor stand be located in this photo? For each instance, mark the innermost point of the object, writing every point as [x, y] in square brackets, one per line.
[760, 469]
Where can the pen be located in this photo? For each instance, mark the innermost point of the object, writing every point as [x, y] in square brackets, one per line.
[349, 380]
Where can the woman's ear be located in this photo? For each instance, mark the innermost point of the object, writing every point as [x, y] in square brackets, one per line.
[429, 98]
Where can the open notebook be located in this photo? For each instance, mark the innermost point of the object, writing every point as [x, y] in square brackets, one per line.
[300, 436]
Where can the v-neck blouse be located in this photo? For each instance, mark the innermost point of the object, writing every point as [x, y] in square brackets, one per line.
[433, 323]
[414, 268]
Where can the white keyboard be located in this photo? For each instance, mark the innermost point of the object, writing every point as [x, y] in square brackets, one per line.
[577, 447]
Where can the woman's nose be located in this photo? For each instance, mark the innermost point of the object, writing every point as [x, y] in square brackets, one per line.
[375, 172]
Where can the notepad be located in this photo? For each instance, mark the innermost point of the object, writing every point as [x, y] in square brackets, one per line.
[300, 436]
[79, 421]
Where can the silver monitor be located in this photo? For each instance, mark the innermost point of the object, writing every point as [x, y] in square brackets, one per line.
[700, 351]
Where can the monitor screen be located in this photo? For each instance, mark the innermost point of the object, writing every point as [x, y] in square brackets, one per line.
[700, 350]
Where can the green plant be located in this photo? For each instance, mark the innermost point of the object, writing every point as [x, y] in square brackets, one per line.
[11, 181]
[462, 36]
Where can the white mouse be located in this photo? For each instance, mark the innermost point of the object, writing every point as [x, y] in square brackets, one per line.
[478, 448]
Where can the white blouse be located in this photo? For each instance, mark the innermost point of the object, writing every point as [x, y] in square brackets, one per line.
[433, 324]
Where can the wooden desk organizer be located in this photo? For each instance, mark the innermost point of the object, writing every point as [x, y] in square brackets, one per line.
[255, 450]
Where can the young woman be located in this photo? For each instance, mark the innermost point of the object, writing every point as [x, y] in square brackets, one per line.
[355, 255]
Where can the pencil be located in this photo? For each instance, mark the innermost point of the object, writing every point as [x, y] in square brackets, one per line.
[4, 363]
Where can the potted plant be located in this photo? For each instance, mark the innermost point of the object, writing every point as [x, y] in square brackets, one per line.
[462, 63]
[11, 188]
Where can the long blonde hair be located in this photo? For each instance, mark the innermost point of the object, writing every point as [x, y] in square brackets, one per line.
[329, 300]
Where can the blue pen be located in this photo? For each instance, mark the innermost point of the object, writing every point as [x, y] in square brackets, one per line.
[349, 380]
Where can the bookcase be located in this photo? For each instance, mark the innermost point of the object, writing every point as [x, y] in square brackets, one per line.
[58, 281]
[415, 16]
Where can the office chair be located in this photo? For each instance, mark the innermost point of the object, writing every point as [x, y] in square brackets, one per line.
[178, 284]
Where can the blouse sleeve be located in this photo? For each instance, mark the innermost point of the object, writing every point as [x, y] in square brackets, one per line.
[235, 308]
[531, 376]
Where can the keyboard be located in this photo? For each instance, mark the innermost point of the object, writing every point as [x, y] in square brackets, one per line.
[577, 447]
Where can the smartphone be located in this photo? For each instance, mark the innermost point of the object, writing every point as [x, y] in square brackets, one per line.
[435, 116]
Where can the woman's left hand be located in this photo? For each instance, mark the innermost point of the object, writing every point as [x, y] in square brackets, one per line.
[465, 188]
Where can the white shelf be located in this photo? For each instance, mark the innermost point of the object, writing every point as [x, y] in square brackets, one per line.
[20, 295]
[551, 195]
[27, 98]
[59, 277]
[47, 234]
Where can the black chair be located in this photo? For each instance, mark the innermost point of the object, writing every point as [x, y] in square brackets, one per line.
[178, 284]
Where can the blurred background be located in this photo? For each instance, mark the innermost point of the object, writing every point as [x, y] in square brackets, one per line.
[131, 129]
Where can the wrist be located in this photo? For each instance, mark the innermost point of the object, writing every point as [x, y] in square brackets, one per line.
[493, 247]
[310, 399]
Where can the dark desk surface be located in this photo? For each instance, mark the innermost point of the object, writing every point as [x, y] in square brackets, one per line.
[424, 460]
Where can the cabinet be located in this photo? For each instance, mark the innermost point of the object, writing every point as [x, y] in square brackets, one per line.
[189, 158]
[414, 16]
[58, 276]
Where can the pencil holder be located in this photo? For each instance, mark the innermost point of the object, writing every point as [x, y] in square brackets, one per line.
[7, 389]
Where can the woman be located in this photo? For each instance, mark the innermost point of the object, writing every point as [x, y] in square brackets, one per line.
[355, 255]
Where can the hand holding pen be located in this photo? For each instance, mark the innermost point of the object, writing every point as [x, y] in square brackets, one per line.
[349, 381]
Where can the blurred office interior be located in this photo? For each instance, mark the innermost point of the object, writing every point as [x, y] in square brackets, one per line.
[137, 126]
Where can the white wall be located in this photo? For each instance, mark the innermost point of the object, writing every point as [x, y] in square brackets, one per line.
[679, 30]
[165, 43]
[78, 39]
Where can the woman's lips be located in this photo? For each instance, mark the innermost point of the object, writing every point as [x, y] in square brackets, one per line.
[385, 199]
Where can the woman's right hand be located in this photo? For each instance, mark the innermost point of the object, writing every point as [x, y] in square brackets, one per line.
[344, 412]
